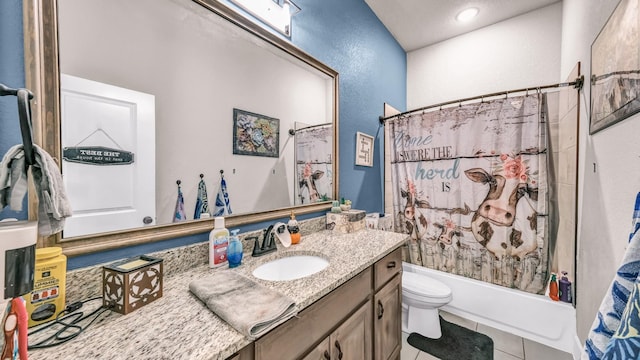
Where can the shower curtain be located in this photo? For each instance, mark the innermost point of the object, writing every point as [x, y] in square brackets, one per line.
[313, 151]
[471, 186]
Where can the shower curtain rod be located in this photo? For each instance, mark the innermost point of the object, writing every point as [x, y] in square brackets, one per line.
[577, 84]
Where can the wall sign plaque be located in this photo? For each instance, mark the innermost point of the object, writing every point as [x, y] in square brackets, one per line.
[97, 155]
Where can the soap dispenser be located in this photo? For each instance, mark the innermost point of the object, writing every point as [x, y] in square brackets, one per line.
[234, 252]
[294, 230]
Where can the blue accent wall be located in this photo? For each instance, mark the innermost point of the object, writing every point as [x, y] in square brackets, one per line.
[347, 36]
[344, 34]
[12, 75]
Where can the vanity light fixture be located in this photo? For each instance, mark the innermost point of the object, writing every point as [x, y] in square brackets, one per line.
[467, 14]
[275, 13]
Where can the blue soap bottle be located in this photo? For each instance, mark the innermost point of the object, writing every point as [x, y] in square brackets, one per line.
[234, 251]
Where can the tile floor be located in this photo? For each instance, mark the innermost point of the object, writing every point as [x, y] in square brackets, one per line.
[505, 346]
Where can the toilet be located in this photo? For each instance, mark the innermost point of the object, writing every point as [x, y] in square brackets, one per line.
[421, 298]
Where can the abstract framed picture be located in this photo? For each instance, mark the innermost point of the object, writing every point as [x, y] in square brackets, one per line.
[255, 134]
[364, 149]
[615, 68]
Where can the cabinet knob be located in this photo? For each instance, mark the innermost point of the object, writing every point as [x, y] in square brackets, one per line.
[380, 309]
[326, 355]
[391, 264]
[147, 220]
[339, 350]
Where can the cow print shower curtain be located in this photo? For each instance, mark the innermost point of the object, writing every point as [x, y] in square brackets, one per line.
[471, 187]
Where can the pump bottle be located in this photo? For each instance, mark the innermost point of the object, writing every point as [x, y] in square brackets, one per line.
[218, 242]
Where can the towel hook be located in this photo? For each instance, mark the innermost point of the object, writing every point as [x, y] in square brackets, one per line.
[24, 112]
[201, 176]
[178, 182]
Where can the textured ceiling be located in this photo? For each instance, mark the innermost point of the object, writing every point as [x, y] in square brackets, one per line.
[419, 23]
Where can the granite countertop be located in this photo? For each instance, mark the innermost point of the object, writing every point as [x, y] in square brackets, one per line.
[180, 326]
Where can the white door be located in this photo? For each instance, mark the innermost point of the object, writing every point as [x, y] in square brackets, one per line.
[102, 125]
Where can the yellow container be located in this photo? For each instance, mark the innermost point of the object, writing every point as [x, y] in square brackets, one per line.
[47, 298]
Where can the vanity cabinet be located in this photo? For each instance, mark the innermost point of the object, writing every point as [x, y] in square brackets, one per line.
[387, 307]
[351, 340]
[360, 320]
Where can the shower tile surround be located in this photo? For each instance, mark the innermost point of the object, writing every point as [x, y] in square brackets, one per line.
[141, 334]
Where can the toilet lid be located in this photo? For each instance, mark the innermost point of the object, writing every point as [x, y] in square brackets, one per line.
[424, 286]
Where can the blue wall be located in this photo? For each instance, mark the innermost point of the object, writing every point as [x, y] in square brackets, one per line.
[345, 35]
[12, 75]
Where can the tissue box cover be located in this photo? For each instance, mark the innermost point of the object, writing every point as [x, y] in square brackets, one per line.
[346, 221]
[130, 284]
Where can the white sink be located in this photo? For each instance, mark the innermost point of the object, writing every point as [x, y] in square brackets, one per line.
[290, 268]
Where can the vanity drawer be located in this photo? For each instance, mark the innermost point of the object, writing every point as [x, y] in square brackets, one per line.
[387, 267]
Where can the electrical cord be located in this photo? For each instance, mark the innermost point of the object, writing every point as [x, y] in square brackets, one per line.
[68, 321]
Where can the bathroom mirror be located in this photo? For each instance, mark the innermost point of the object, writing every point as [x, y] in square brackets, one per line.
[200, 64]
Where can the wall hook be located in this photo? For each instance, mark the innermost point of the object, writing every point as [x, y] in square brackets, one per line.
[201, 176]
[178, 182]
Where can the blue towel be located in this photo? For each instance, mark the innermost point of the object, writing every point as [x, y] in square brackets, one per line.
[202, 202]
[614, 332]
[179, 214]
[222, 200]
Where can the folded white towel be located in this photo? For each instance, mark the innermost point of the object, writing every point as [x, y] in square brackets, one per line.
[247, 306]
[53, 205]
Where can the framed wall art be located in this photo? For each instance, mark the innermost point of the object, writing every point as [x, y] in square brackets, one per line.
[615, 68]
[255, 134]
[364, 149]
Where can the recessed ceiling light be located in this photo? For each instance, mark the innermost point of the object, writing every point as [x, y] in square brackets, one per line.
[467, 14]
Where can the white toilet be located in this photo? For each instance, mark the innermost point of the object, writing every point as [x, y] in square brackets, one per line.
[421, 298]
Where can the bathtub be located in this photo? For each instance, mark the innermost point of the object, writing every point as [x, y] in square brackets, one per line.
[534, 317]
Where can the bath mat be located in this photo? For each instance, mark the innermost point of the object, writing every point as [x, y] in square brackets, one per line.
[456, 343]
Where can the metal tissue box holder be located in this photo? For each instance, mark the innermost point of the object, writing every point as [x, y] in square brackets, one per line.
[130, 284]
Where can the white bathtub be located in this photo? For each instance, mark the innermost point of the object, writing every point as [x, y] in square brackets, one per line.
[535, 317]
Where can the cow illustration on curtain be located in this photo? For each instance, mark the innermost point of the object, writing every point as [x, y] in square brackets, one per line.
[314, 158]
[471, 188]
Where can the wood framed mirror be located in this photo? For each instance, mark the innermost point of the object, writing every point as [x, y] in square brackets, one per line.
[49, 59]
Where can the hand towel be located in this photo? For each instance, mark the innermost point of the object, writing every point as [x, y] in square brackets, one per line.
[608, 318]
[178, 213]
[247, 306]
[202, 201]
[222, 200]
[53, 206]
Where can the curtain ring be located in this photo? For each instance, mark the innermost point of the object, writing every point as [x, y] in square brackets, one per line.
[506, 95]
[526, 92]
[482, 99]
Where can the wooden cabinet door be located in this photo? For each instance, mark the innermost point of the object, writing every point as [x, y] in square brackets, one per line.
[387, 305]
[320, 352]
[352, 340]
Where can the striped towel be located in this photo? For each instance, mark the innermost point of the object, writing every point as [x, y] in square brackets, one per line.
[614, 332]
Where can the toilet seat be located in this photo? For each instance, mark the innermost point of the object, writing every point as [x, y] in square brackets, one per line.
[424, 286]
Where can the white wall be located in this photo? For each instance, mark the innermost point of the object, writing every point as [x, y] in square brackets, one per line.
[606, 196]
[516, 53]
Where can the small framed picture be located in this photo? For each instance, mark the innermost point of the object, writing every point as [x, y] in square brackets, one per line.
[364, 149]
[255, 134]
